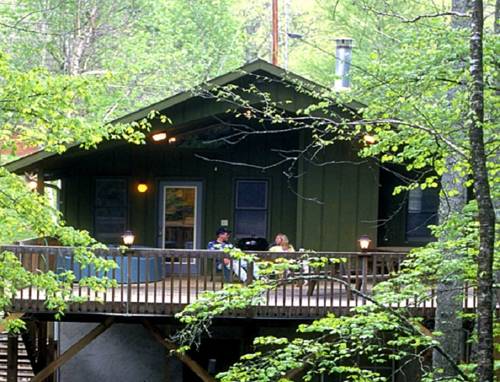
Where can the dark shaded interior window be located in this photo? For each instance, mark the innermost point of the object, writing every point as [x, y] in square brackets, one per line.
[404, 217]
[251, 208]
[110, 210]
[422, 211]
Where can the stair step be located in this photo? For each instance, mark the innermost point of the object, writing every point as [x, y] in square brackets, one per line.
[24, 371]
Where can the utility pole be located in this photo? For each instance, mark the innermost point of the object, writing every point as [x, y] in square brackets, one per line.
[286, 7]
[275, 33]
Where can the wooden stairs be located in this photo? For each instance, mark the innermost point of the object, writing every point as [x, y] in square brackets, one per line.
[24, 370]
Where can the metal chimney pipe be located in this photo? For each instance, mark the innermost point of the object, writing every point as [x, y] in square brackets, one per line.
[343, 57]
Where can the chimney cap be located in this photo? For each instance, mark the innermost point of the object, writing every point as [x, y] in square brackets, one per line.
[344, 41]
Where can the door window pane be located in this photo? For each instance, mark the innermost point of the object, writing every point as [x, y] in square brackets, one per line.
[180, 217]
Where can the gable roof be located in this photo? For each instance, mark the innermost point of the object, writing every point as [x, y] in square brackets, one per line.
[253, 67]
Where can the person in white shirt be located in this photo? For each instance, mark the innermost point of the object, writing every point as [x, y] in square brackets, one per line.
[281, 244]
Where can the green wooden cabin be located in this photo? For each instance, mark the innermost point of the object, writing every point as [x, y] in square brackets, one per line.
[200, 182]
[193, 182]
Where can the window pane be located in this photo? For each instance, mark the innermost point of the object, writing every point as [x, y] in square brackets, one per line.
[251, 194]
[110, 193]
[422, 211]
[416, 226]
[430, 200]
[110, 213]
[250, 223]
[415, 201]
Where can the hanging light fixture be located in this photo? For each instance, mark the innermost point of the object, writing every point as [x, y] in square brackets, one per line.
[369, 139]
[160, 136]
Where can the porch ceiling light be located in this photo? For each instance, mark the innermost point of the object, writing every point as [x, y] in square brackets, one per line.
[248, 114]
[369, 139]
[160, 136]
[142, 187]
[128, 238]
[364, 242]
[172, 140]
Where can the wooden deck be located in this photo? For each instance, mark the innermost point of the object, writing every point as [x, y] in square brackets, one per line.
[162, 282]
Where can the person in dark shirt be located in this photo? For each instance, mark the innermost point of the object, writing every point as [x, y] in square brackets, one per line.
[222, 240]
[219, 244]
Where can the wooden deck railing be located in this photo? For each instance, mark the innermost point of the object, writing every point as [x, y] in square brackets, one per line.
[162, 282]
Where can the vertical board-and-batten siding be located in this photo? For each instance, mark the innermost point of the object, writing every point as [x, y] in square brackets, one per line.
[347, 194]
[77, 202]
[151, 164]
[347, 201]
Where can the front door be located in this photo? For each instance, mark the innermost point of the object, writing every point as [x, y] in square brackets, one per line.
[180, 215]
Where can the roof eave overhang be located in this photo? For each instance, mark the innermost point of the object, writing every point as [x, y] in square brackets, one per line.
[255, 66]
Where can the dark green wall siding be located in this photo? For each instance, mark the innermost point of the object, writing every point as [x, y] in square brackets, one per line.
[156, 163]
[77, 201]
[345, 206]
[346, 194]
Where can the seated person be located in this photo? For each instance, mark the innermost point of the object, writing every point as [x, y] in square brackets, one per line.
[238, 267]
[281, 244]
[219, 244]
[221, 241]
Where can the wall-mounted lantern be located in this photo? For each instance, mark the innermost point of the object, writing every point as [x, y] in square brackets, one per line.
[364, 242]
[172, 140]
[32, 185]
[128, 238]
[160, 136]
[31, 181]
[142, 187]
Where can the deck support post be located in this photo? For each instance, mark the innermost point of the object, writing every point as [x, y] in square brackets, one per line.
[12, 349]
[40, 185]
[172, 347]
[50, 349]
[72, 351]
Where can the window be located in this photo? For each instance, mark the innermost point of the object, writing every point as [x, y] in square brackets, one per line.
[251, 208]
[110, 214]
[422, 211]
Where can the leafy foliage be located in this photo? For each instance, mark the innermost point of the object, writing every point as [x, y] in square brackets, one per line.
[417, 100]
[41, 110]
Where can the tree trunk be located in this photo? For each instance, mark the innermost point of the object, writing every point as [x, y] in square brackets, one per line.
[78, 43]
[496, 201]
[486, 212]
[449, 293]
[497, 17]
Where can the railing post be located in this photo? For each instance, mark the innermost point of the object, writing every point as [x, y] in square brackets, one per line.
[250, 268]
[365, 273]
[129, 281]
